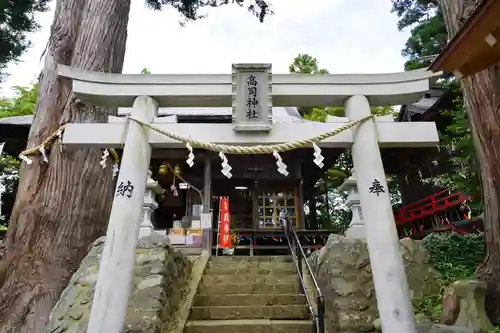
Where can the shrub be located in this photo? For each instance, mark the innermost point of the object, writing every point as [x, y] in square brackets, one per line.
[456, 258]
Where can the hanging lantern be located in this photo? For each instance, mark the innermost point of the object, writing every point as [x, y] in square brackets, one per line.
[163, 169]
[177, 170]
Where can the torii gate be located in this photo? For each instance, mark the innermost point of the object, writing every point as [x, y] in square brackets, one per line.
[145, 93]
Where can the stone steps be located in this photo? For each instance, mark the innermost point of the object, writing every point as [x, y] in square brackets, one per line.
[255, 278]
[249, 295]
[250, 312]
[252, 267]
[248, 288]
[248, 299]
[249, 326]
[247, 259]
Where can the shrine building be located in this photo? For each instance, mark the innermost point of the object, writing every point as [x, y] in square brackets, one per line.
[257, 191]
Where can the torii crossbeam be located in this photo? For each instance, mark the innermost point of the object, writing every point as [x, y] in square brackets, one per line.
[147, 92]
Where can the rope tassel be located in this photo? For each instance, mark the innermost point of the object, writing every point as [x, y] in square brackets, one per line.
[226, 168]
[318, 158]
[190, 159]
[282, 168]
[104, 156]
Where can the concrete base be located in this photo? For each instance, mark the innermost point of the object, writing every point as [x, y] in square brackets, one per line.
[145, 231]
[356, 231]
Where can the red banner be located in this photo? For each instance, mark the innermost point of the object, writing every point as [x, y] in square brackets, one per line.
[224, 223]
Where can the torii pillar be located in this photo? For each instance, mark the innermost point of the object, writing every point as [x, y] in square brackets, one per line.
[389, 277]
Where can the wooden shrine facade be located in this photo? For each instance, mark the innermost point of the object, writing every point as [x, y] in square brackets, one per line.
[475, 47]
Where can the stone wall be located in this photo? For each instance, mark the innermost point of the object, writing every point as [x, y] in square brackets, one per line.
[160, 285]
[343, 271]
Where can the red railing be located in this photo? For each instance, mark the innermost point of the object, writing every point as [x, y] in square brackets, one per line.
[436, 203]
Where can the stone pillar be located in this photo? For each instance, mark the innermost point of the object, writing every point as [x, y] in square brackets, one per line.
[114, 280]
[150, 204]
[356, 226]
[389, 278]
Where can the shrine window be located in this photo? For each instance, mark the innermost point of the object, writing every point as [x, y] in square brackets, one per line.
[270, 205]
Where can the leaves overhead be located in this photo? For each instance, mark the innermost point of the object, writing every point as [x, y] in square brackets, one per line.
[22, 104]
[411, 12]
[190, 9]
[428, 32]
[429, 37]
[16, 20]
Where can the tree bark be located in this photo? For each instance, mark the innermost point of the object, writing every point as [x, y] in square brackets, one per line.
[482, 101]
[62, 206]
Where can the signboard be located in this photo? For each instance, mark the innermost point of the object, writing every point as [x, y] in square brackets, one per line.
[224, 224]
[252, 97]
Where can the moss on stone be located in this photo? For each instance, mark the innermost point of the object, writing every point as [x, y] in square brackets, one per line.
[160, 277]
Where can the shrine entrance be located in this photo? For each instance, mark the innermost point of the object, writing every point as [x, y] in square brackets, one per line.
[251, 91]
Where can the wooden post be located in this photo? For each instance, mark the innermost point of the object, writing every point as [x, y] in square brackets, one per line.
[109, 307]
[389, 277]
[207, 205]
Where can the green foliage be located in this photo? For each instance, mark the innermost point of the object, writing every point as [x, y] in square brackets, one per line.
[305, 64]
[457, 139]
[23, 103]
[190, 9]
[428, 31]
[428, 37]
[429, 305]
[17, 17]
[456, 258]
[330, 209]
[9, 177]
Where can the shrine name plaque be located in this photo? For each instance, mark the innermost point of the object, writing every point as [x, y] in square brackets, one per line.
[252, 97]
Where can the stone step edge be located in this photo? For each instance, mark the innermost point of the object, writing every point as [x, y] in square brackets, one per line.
[253, 283]
[249, 306]
[254, 275]
[252, 295]
[247, 322]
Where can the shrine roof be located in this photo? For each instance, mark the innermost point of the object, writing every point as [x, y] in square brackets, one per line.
[475, 46]
[428, 102]
[281, 115]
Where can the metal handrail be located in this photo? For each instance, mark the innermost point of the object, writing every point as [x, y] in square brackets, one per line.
[298, 255]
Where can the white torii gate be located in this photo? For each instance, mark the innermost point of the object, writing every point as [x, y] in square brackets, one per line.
[145, 93]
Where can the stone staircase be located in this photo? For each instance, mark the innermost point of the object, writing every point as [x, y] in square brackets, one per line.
[239, 294]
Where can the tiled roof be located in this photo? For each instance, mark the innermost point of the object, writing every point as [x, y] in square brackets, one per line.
[282, 115]
[19, 120]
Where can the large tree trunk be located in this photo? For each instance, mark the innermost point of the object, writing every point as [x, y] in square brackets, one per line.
[62, 206]
[482, 100]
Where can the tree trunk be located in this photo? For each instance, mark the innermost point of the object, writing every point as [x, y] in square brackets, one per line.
[62, 206]
[482, 100]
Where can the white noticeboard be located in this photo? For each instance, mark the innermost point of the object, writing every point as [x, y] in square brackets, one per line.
[206, 221]
[195, 224]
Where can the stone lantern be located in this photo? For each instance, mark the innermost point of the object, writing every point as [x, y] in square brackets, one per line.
[150, 204]
[356, 226]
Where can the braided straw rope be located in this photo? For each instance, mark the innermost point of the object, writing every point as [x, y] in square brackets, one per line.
[45, 144]
[226, 149]
[52, 138]
[254, 150]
